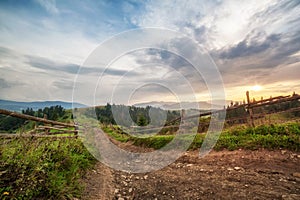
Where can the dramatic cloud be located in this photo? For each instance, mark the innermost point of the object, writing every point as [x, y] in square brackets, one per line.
[251, 42]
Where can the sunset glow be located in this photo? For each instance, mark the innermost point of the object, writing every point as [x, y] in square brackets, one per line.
[256, 88]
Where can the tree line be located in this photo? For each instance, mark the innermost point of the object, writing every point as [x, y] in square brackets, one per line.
[11, 124]
[134, 116]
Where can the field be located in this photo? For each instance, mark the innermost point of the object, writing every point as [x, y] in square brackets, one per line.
[248, 163]
[271, 137]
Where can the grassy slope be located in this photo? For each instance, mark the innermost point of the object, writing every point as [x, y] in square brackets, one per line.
[285, 136]
[46, 169]
[32, 168]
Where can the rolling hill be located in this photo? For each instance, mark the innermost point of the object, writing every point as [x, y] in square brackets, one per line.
[19, 106]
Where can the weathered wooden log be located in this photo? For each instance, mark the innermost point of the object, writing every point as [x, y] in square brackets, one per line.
[37, 119]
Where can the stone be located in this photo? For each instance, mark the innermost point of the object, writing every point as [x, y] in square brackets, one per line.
[237, 168]
[125, 183]
[123, 176]
[296, 174]
[189, 165]
[145, 177]
[117, 191]
[130, 190]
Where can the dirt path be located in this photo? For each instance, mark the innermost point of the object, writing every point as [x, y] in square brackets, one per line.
[98, 183]
[220, 175]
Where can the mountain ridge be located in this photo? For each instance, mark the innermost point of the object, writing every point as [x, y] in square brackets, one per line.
[203, 105]
[35, 105]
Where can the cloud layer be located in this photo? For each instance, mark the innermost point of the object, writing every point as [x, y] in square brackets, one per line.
[44, 43]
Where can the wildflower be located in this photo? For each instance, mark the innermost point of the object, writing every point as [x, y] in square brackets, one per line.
[5, 193]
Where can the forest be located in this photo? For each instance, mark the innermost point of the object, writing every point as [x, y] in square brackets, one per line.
[11, 124]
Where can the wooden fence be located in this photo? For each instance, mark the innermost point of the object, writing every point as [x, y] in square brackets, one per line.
[50, 128]
[248, 106]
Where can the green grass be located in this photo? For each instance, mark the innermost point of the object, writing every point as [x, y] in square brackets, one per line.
[116, 133]
[155, 142]
[279, 136]
[42, 168]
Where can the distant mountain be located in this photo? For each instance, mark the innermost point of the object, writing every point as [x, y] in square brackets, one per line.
[203, 105]
[19, 106]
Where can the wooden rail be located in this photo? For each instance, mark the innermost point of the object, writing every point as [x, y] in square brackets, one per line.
[59, 127]
[32, 118]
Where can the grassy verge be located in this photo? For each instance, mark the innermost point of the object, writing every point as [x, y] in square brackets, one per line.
[42, 168]
[280, 136]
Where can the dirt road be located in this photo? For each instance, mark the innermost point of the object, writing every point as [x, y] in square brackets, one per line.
[238, 174]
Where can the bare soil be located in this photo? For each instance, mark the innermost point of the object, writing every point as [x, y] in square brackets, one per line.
[240, 174]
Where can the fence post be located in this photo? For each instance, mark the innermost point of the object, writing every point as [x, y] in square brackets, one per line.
[182, 116]
[47, 131]
[250, 110]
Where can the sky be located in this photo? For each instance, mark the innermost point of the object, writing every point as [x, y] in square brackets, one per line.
[255, 46]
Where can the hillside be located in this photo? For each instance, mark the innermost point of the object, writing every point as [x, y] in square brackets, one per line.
[203, 105]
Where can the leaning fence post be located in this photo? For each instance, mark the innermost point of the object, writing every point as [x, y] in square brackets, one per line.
[250, 110]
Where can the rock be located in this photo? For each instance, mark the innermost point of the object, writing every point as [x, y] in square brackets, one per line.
[130, 190]
[123, 176]
[117, 191]
[283, 152]
[296, 174]
[120, 198]
[237, 168]
[229, 169]
[298, 156]
[202, 170]
[189, 165]
[164, 192]
[137, 178]
[293, 155]
[145, 177]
